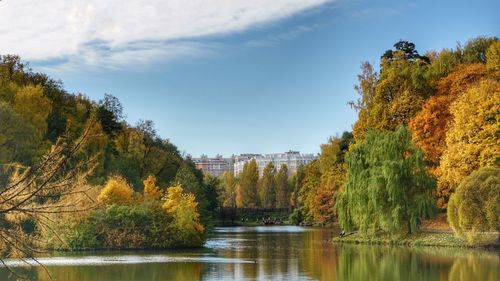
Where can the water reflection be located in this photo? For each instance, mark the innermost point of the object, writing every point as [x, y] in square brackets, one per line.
[276, 253]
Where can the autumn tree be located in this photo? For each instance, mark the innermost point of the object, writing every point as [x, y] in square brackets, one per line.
[183, 207]
[472, 139]
[367, 82]
[30, 198]
[267, 187]
[33, 106]
[151, 191]
[493, 59]
[18, 139]
[391, 98]
[247, 193]
[474, 208]
[429, 126]
[282, 188]
[116, 191]
[229, 184]
[387, 186]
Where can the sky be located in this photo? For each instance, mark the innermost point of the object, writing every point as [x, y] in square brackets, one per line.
[231, 76]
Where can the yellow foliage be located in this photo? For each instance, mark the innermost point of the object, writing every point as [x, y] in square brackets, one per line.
[151, 191]
[116, 190]
[183, 207]
[493, 59]
[33, 106]
[472, 139]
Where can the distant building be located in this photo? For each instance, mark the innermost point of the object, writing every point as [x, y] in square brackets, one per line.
[292, 159]
[214, 166]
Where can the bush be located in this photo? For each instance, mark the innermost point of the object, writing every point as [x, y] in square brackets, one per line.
[116, 191]
[142, 226]
[296, 217]
[473, 210]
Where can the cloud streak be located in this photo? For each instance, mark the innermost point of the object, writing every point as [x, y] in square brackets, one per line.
[92, 31]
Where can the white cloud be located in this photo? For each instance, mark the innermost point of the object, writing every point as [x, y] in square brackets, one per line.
[89, 31]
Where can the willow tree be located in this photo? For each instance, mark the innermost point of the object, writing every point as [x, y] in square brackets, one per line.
[387, 187]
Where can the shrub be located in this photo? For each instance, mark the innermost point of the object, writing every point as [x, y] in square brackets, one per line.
[116, 191]
[183, 208]
[151, 191]
[473, 210]
[296, 217]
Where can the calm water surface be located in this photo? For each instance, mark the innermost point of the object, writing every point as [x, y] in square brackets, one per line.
[273, 253]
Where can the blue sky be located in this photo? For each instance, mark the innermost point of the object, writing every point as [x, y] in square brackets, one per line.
[262, 79]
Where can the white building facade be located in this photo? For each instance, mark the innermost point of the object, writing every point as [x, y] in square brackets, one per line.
[292, 159]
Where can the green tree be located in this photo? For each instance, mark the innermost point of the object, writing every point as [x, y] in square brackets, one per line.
[267, 187]
[18, 139]
[229, 184]
[282, 188]
[387, 185]
[474, 208]
[247, 193]
[34, 107]
[110, 114]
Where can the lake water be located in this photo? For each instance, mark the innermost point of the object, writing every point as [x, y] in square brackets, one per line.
[272, 253]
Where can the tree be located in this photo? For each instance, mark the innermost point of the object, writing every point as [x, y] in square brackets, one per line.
[229, 184]
[393, 97]
[474, 208]
[493, 59]
[248, 191]
[34, 107]
[34, 194]
[151, 191]
[475, 49]
[18, 139]
[116, 191]
[183, 207]
[387, 186]
[407, 49]
[282, 188]
[110, 114]
[472, 139]
[366, 90]
[267, 187]
[430, 125]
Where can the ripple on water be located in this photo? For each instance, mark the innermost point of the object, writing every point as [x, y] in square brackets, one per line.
[111, 260]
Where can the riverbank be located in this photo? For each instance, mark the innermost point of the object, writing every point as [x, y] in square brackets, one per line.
[434, 232]
[436, 239]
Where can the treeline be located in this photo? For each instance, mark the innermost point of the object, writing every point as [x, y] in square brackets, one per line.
[250, 190]
[36, 113]
[425, 123]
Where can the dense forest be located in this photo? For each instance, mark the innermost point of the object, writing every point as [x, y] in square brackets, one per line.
[75, 175]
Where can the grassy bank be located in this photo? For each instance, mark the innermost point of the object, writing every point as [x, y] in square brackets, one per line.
[443, 239]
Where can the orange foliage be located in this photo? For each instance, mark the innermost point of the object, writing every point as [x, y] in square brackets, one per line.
[429, 126]
[460, 79]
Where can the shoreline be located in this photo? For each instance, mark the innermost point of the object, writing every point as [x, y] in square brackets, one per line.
[420, 239]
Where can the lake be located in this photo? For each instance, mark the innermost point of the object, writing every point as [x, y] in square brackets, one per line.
[272, 253]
